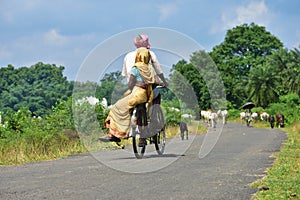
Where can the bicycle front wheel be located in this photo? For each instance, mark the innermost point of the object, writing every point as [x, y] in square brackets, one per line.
[160, 142]
[138, 149]
[160, 138]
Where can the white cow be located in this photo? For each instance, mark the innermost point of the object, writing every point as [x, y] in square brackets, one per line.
[242, 116]
[209, 117]
[212, 119]
[254, 117]
[205, 115]
[264, 116]
[223, 114]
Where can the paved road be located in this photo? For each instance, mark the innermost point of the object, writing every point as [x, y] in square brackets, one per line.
[240, 156]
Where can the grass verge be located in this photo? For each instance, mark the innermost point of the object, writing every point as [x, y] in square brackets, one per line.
[21, 152]
[282, 180]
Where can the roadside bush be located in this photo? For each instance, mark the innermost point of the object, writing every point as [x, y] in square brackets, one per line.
[289, 106]
[233, 114]
[85, 118]
[172, 117]
[257, 109]
[25, 138]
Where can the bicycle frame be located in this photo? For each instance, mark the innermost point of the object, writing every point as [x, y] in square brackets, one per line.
[149, 128]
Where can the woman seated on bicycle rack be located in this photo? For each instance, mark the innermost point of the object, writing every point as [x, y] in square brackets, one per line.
[141, 82]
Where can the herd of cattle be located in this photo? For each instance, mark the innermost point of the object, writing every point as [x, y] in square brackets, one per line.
[211, 118]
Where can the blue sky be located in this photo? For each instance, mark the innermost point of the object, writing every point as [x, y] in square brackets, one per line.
[64, 32]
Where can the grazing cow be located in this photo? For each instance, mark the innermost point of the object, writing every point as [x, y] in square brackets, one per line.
[183, 129]
[202, 113]
[242, 116]
[209, 117]
[272, 121]
[205, 115]
[254, 117]
[223, 114]
[264, 116]
[280, 120]
[213, 119]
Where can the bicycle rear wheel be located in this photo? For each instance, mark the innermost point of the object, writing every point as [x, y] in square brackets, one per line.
[142, 124]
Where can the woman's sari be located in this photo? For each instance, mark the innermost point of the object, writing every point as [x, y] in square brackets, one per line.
[119, 117]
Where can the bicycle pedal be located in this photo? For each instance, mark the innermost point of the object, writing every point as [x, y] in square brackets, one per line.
[142, 143]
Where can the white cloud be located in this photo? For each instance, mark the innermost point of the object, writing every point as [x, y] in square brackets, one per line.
[254, 11]
[167, 11]
[53, 38]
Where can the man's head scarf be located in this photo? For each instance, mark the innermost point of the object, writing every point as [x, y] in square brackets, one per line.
[142, 40]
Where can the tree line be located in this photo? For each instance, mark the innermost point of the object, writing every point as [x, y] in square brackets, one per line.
[250, 64]
[253, 66]
[37, 88]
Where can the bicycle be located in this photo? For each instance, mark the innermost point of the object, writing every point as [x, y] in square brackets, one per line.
[150, 129]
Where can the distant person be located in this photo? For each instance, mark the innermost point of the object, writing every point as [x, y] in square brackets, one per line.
[142, 40]
[248, 118]
[184, 129]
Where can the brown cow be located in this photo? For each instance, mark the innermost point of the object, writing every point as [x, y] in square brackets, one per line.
[280, 120]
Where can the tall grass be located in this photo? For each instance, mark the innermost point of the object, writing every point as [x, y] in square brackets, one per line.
[19, 152]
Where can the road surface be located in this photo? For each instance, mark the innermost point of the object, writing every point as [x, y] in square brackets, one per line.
[240, 156]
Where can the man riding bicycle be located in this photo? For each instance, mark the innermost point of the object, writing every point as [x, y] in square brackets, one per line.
[141, 82]
[138, 67]
[142, 40]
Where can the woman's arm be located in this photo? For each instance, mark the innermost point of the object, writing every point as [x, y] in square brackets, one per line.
[131, 82]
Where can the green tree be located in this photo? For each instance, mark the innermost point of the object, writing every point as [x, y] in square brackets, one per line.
[262, 85]
[214, 87]
[111, 87]
[286, 64]
[84, 89]
[187, 83]
[244, 47]
[37, 87]
[198, 81]
[281, 62]
[294, 82]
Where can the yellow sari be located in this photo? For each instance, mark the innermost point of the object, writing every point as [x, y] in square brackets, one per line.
[118, 119]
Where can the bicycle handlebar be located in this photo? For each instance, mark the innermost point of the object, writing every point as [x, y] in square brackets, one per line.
[161, 85]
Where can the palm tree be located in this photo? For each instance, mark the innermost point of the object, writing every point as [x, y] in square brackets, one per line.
[262, 85]
[287, 64]
[294, 81]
